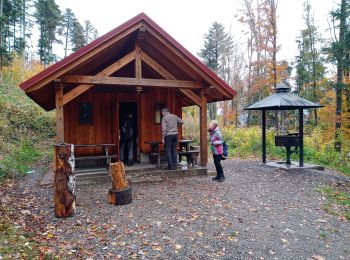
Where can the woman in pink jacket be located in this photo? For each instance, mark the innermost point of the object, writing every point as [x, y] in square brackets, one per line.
[216, 141]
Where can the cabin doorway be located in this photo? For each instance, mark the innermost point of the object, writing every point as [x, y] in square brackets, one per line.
[128, 111]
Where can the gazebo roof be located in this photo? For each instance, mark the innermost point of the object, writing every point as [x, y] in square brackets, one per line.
[282, 99]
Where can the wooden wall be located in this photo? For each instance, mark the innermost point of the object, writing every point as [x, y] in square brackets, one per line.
[104, 128]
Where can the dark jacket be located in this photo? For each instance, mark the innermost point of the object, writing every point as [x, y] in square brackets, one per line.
[127, 130]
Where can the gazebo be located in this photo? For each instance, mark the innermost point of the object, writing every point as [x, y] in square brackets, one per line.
[283, 99]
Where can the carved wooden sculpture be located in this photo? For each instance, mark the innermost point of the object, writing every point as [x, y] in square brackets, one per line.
[64, 183]
[120, 194]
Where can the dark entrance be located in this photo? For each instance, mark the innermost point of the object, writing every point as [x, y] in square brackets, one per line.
[126, 108]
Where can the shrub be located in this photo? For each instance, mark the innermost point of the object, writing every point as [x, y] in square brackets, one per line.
[246, 142]
[19, 160]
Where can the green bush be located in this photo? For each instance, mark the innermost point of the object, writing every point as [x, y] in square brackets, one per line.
[246, 143]
[25, 128]
[19, 160]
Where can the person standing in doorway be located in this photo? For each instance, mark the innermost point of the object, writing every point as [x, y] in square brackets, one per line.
[170, 123]
[127, 131]
[216, 141]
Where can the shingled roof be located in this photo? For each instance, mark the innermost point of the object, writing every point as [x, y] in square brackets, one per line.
[282, 99]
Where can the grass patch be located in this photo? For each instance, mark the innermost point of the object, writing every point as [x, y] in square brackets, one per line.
[337, 201]
[15, 243]
[18, 161]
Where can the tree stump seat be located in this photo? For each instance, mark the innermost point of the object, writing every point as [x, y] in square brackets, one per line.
[120, 194]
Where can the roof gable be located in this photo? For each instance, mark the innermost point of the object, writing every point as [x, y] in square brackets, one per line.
[102, 48]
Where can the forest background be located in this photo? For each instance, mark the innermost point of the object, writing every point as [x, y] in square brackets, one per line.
[319, 72]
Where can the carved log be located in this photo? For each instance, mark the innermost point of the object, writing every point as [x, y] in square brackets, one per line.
[122, 197]
[64, 183]
[117, 172]
[120, 194]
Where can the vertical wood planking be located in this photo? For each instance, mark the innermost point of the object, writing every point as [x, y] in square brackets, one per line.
[103, 103]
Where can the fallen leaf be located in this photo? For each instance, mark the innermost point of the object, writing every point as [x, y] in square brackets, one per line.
[284, 241]
[178, 247]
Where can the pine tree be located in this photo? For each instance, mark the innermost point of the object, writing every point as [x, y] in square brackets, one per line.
[339, 53]
[217, 43]
[78, 39]
[89, 31]
[48, 17]
[68, 24]
[309, 63]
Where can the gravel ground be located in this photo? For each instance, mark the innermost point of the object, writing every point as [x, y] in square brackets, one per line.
[257, 213]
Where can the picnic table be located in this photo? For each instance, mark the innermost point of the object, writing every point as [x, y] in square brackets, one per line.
[184, 150]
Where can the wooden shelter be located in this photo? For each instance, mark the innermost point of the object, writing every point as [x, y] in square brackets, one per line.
[136, 68]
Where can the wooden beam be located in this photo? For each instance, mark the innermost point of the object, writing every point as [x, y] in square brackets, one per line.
[167, 75]
[84, 58]
[138, 66]
[203, 130]
[124, 81]
[156, 66]
[59, 112]
[192, 96]
[185, 59]
[78, 90]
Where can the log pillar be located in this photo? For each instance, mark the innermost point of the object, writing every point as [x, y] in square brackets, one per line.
[120, 194]
[64, 183]
[59, 112]
[203, 129]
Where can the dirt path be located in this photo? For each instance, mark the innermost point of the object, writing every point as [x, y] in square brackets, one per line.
[257, 213]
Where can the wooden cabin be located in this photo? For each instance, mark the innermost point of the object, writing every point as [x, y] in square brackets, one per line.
[136, 68]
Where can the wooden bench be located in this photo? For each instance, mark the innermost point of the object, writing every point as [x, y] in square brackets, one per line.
[191, 156]
[155, 151]
[156, 155]
[106, 156]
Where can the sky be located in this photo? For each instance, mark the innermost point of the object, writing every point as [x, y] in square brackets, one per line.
[189, 20]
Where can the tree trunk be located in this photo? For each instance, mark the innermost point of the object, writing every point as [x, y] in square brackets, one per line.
[117, 172]
[64, 183]
[1, 40]
[339, 85]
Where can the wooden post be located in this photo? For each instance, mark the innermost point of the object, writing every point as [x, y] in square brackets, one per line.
[64, 183]
[59, 112]
[203, 130]
[263, 126]
[138, 67]
[301, 137]
[120, 194]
